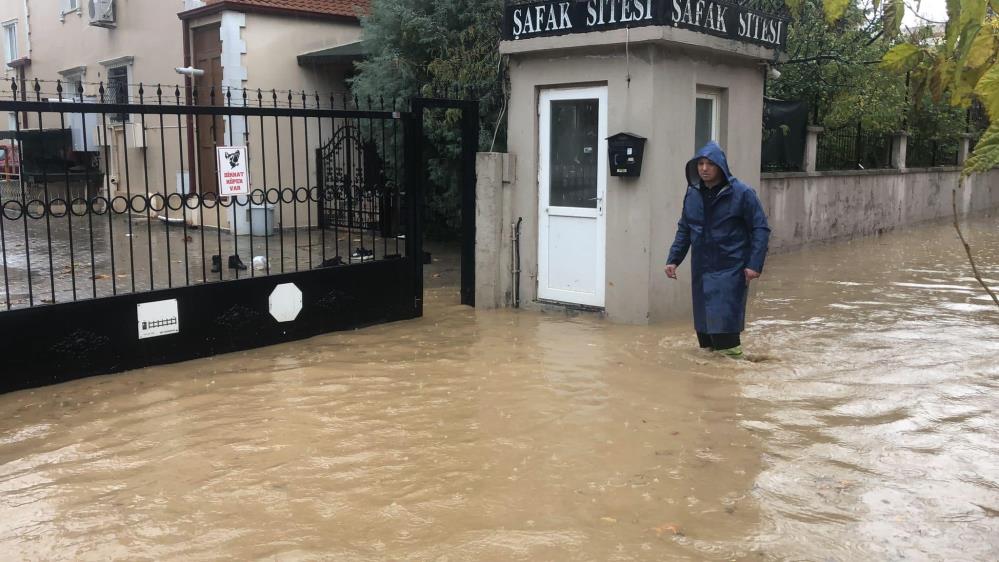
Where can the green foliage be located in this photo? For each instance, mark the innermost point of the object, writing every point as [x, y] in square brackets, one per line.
[834, 69]
[902, 57]
[960, 68]
[986, 153]
[426, 48]
[829, 66]
[834, 9]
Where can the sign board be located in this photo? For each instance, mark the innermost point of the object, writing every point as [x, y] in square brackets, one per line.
[285, 302]
[233, 177]
[729, 19]
[158, 318]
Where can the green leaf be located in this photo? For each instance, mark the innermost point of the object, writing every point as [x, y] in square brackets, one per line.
[941, 77]
[953, 23]
[893, 13]
[966, 77]
[902, 57]
[986, 154]
[834, 9]
[988, 91]
[961, 90]
[794, 6]
[972, 14]
[983, 48]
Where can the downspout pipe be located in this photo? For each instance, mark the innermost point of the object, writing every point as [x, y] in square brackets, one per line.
[188, 84]
[516, 270]
[27, 27]
[27, 35]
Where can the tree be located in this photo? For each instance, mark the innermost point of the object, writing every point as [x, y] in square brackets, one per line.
[431, 48]
[960, 67]
[836, 70]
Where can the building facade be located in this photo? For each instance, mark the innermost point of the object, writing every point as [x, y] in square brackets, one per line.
[126, 51]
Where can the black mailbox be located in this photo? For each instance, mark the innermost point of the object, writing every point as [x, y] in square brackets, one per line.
[625, 153]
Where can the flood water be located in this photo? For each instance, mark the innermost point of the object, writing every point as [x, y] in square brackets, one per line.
[864, 427]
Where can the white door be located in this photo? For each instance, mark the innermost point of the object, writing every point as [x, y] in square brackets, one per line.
[572, 182]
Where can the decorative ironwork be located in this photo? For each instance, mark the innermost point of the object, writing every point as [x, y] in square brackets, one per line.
[85, 217]
[354, 183]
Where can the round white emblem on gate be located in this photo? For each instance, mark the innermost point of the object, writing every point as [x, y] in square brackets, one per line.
[285, 302]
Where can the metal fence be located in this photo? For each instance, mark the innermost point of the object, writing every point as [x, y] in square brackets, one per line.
[922, 152]
[104, 206]
[853, 148]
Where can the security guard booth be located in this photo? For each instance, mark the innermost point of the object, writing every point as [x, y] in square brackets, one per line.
[671, 74]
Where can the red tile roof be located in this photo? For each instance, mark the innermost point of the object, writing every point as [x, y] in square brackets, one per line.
[348, 8]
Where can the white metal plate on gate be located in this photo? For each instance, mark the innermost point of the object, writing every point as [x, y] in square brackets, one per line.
[285, 302]
[158, 318]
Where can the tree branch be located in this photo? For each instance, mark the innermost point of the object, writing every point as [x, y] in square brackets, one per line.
[967, 249]
[836, 58]
[916, 15]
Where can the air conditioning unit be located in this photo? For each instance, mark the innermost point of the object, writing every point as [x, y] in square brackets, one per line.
[102, 13]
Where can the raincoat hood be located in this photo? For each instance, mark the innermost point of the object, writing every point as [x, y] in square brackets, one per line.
[712, 152]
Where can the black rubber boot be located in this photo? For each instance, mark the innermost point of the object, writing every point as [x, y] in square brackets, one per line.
[236, 263]
[216, 264]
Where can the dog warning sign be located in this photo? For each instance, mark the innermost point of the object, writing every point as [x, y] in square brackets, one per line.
[233, 177]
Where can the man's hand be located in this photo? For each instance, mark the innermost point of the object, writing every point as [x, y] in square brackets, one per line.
[671, 271]
[750, 275]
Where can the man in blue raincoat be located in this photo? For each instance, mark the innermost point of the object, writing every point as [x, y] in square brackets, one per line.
[724, 222]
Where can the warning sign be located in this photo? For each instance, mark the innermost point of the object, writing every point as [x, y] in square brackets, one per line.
[233, 177]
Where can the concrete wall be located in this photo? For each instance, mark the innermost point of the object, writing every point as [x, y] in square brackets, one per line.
[494, 262]
[812, 207]
[274, 43]
[658, 103]
[803, 208]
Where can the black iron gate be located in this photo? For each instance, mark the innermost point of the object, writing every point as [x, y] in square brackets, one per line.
[355, 191]
[117, 253]
[469, 146]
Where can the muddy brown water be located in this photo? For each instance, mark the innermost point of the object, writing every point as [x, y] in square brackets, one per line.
[865, 427]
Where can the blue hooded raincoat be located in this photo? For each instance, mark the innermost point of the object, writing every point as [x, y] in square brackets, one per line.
[728, 234]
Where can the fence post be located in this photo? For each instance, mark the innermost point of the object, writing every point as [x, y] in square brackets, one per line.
[493, 261]
[963, 148]
[899, 145]
[811, 147]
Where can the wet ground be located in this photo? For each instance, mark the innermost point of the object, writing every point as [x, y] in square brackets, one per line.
[69, 257]
[864, 427]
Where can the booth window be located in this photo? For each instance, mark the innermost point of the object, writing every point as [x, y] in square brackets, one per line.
[10, 41]
[706, 124]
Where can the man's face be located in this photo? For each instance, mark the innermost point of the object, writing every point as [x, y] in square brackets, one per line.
[710, 174]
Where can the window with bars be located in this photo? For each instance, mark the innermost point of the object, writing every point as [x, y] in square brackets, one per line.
[117, 90]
